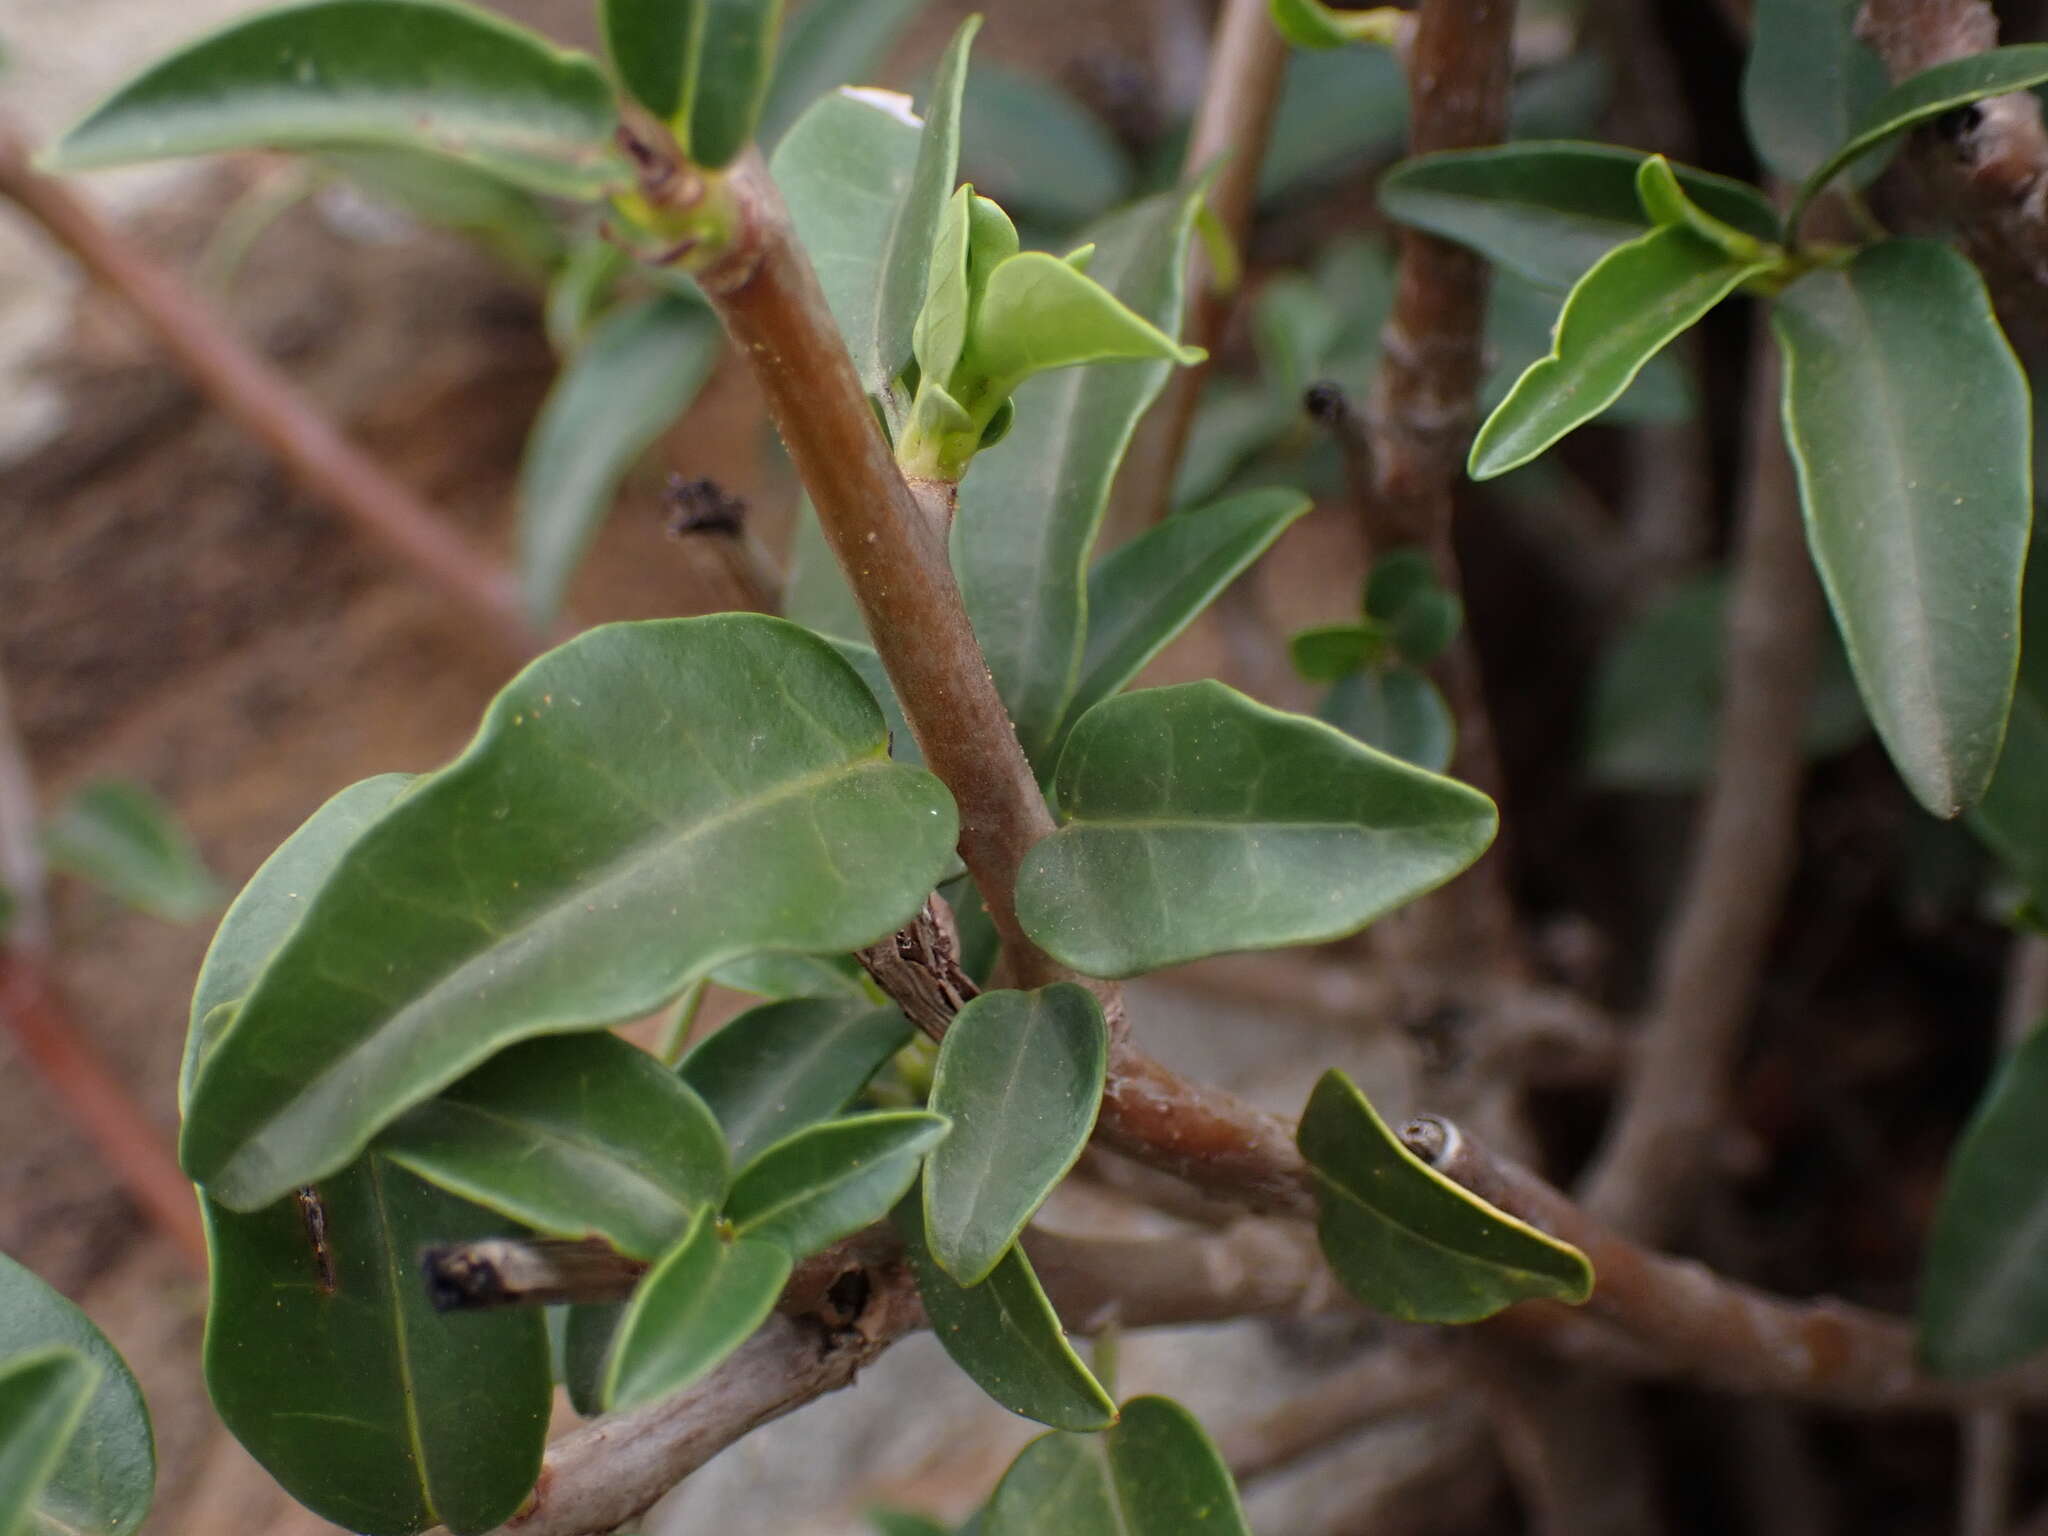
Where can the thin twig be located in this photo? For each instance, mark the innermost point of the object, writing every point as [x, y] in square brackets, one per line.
[270, 407]
[1990, 1449]
[1391, 1382]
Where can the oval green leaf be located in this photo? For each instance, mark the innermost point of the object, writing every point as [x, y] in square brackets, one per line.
[731, 68]
[1396, 710]
[575, 1136]
[1201, 822]
[105, 1472]
[328, 1363]
[695, 1307]
[1020, 1075]
[430, 75]
[1808, 83]
[830, 1180]
[1152, 1473]
[1005, 1335]
[1625, 310]
[1907, 416]
[780, 1067]
[123, 839]
[639, 807]
[1332, 651]
[43, 1393]
[650, 44]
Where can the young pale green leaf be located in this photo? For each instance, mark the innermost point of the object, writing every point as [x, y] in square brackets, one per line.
[695, 1307]
[907, 249]
[1201, 822]
[845, 169]
[575, 1136]
[940, 333]
[1005, 1335]
[1029, 511]
[635, 374]
[1984, 1292]
[1808, 82]
[1550, 210]
[1406, 1240]
[1626, 309]
[652, 45]
[43, 1393]
[1311, 24]
[1665, 203]
[827, 44]
[641, 806]
[783, 1066]
[1396, 710]
[1039, 313]
[1907, 417]
[1144, 593]
[828, 1181]
[105, 1470]
[123, 839]
[431, 75]
[1329, 652]
[1921, 99]
[731, 69]
[1037, 151]
[329, 1364]
[1152, 1473]
[1020, 1075]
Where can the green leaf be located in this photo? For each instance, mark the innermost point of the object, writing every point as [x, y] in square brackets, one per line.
[1200, 822]
[651, 44]
[587, 1334]
[906, 252]
[1924, 97]
[1336, 109]
[1152, 1473]
[640, 806]
[828, 1181]
[1807, 83]
[1310, 24]
[903, 1522]
[1029, 511]
[1005, 1335]
[1145, 593]
[513, 224]
[844, 169]
[575, 1136]
[695, 1307]
[1396, 710]
[1034, 149]
[1907, 417]
[2012, 818]
[1329, 652]
[1020, 1076]
[1984, 1292]
[1039, 313]
[1664, 201]
[43, 1393]
[1626, 309]
[430, 75]
[780, 1067]
[731, 67]
[940, 333]
[637, 372]
[105, 1473]
[827, 44]
[1550, 210]
[1406, 1240]
[776, 977]
[1519, 318]
[329, 1364]
[123, 839]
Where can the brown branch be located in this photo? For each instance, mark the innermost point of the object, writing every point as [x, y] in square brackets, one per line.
[1386, 1384]
[1708, 970]
[270, 407]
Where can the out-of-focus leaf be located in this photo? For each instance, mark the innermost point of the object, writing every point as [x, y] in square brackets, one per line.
[1038, 152]
[731, 69]
[1396, 710]
[776, 977]
[830, 1180]
[650, 43]
[43, 1393]
[694, 1308]
[1311, 24]
[1808, 83]
[827, 44]
[587, 1334]
[1335, 110]
[446, 194]
[129, 843]
[1329, 652]
[1152, 1473]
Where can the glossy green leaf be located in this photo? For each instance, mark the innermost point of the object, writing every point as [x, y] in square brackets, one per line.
[1029, 510]
[1005, 1335]
[430, 75]
[780, 1067]
[1396, 710]
[1329, 652]
[651, 44]
[1924, 97]
[1626, 309]
[575, 1136]
[827, 44]
[1907, 417]
[906, 251]
[629, 381]
[1808, 83]
[1550, 210]
[1311, 24]
[640, 806]
[125, 840]
[732, 66]
[1020, 1076]
[328, 1363]
[1519, 320]
[1406, 1240]
[1200, 822]
[1984, 1293]
[1038, 152]
[105, 1472]
[844, 168]
[828, 1181]
[1152, 1473]
[1145, 593]
[43, 1393]
[695, 1307]
[902, 743]
[1665, 201]
[587, 1334]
